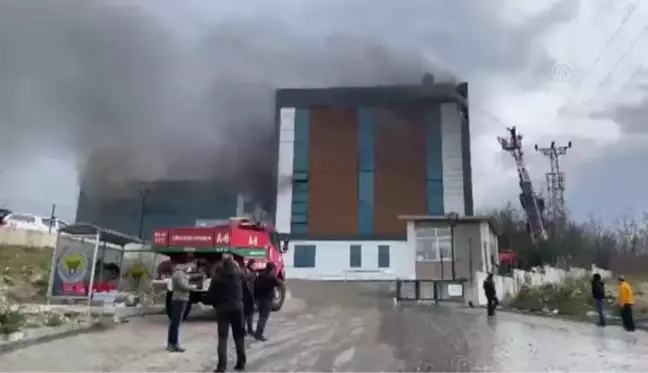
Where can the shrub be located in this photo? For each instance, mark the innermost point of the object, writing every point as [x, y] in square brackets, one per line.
[11, 320]
[569, 298]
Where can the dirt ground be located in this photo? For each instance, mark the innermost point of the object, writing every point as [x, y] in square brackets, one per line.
[353, 327]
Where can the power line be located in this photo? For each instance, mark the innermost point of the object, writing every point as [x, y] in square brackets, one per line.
[616, 65]
[613, 37]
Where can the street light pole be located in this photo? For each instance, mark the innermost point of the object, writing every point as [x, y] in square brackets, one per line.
[143, 196]
[453, 218]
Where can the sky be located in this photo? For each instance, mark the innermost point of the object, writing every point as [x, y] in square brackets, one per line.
[156, 89]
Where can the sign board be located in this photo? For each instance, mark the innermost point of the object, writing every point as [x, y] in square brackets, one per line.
[455, 290]
[72, 268]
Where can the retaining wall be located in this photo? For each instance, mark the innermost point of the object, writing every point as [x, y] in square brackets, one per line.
[20, 237]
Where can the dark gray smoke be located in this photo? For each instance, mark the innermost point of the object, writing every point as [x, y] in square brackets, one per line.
[136, 94]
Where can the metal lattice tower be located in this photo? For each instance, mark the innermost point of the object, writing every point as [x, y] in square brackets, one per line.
[532, 205]
[556, 184]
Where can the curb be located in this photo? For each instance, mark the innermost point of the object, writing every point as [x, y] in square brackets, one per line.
[52, 334]
[7, 347]
[610, 322]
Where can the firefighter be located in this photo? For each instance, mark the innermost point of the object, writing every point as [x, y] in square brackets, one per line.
[248, 296]
[491, 294]
[264, 289]
[626, 301]
[226, 294]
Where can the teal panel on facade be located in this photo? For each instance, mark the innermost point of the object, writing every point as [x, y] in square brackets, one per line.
[434, 161]
[366, 141]
[299, 214]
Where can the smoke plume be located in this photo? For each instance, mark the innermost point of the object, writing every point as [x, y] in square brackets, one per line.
[134, 98]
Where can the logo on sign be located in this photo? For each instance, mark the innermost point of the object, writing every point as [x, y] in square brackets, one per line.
[73, 266]
[253, 240]
[222, 238]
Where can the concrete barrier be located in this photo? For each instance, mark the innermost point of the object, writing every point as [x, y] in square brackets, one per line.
[24, 238]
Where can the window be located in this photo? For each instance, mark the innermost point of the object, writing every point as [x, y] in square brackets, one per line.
[355, 256]
[383, 256]
[433, 244]
[304, 256]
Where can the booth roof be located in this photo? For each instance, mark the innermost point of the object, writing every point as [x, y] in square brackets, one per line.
[105, 235]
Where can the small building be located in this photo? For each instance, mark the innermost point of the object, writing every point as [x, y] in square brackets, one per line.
[430, 239]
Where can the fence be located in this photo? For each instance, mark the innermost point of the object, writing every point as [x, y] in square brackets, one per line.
[430, 290]
[509, 286]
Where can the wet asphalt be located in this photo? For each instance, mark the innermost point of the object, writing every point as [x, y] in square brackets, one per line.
[355, 327]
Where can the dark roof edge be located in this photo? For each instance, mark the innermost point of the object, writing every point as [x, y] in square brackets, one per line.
[376, 95]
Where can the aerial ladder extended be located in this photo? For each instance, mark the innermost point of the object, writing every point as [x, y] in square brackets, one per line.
[533, 205]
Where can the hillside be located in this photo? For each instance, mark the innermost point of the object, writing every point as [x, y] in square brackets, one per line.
[24, 273]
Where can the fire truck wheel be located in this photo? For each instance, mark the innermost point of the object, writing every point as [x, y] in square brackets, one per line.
[279, 297]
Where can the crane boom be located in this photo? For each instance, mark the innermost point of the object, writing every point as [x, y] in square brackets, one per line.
[533, 205]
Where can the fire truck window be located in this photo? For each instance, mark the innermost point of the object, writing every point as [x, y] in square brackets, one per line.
[274, 240]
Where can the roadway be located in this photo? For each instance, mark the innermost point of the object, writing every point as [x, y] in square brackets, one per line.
[353, 327]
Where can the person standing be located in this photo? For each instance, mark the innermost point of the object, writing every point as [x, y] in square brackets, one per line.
[180, 292]
[264, 289]
[598, 294]
[626, 301]
[491, 294]
[248, 296]
[226, 293]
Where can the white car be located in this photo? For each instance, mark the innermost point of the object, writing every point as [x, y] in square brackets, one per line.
[32, 222]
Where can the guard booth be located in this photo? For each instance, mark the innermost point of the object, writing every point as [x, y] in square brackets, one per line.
[87, 264]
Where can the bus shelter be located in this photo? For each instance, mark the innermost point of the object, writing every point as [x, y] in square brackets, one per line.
[82, 256]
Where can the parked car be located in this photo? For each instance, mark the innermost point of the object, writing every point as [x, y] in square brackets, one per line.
[3, 213]
[32, 222]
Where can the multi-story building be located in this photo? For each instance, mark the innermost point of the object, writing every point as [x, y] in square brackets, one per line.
[352, 160]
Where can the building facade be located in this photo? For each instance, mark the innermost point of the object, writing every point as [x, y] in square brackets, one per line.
[141, 207]
[351, 160]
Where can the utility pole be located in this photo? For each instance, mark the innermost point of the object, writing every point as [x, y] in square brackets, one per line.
[143, 193]
[52, 217]
[556, 185]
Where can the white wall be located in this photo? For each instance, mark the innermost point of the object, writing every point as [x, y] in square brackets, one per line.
[25, 238]
[332, 259]
[510, 286]
[452, 159]
[285, 169]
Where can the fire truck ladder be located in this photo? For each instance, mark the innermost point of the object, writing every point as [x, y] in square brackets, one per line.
[532, 205]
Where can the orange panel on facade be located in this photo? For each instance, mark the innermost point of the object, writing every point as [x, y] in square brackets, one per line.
[400, 175]
[333, 172]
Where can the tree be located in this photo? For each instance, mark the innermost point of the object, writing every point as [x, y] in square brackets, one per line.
[581, 244]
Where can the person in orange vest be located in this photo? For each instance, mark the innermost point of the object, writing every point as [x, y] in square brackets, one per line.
[626, 301]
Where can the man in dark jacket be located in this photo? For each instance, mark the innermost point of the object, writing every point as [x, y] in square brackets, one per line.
[598, 294]
[226, 293]
[248, 296]
[264, 290]
[491, 294]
